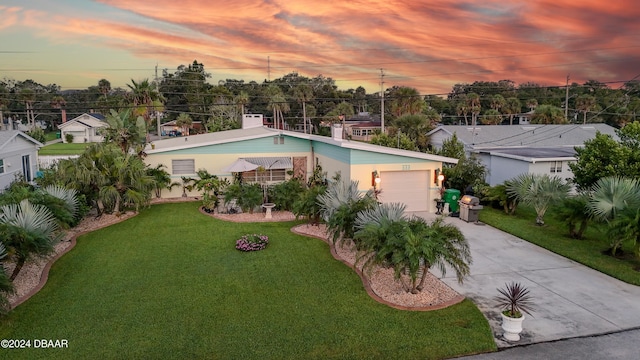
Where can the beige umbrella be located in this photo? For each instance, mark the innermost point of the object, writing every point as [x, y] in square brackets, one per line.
[240, 165]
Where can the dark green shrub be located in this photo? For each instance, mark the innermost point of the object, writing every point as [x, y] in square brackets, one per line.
[286, 193]
[307, 204]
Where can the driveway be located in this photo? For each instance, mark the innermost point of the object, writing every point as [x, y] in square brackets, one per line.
[571, 299]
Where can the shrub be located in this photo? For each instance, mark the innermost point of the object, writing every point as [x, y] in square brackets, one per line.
[252, 242]
[68, 138]
[286, 193]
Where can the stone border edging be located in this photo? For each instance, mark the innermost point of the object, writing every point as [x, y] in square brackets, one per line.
[367, 286]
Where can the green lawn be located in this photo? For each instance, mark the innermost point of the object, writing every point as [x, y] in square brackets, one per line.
[554, 236]
[168, 284]
[64, 149]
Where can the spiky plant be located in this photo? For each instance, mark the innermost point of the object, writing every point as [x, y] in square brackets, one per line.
[339, 206]
[515, 299]
[6, 287]
[538, 191]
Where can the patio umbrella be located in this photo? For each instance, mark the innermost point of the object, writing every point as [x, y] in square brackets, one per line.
[240, 165]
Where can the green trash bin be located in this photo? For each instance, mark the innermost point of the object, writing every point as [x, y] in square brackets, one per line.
[58, 135]
[451, 197]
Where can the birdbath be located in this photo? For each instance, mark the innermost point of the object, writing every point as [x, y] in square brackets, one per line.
[268, 206]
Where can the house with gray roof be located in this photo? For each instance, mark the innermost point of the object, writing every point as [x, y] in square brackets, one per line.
[18, 157]
[403, 176]
[508, 151]
[84, 128]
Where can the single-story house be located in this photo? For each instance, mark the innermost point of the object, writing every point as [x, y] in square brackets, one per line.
[171, 128]
[405, 176]
[84, 128]
[508, 151]
[18, 156]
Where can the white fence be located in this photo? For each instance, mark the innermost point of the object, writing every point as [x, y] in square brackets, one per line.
[46, 161]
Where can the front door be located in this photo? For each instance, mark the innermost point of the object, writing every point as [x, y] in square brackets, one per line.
[26, 168]
[300, 168]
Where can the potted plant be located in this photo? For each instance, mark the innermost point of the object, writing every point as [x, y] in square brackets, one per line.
[514, 299]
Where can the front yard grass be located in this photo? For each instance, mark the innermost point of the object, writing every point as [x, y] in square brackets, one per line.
[554, 237]
[63, 149]
[169, 284]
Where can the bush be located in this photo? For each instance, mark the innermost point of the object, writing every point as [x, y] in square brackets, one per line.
[38, 134]
[252, 242]
[286, 193]
[247, 196]
[68, 138]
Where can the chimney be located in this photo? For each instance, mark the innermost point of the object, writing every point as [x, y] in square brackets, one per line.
[336, 131]
[250, 121]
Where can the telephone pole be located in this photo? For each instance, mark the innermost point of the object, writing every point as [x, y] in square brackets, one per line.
[268, 68]
[382, 101]
[566, 101]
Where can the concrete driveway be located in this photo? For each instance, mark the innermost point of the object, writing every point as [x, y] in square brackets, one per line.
[571, 300]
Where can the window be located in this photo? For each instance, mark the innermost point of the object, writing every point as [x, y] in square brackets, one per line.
[556, 166]
[1, 166]
[181, 167]
[264, 176]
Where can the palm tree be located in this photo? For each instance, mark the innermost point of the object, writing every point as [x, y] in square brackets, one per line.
[303, 93]
[27, 230]
[616, 201]
[492, 116]
[104, 86]
[538, 191]
[126, 182]
[462, 108]
[162, 179]
[278, 103]
[405, 101]
[125, 130]
[184, 121]
[242, 99]
[145, 98]
[574, 212]
[58, 102]
[29, 96]
[584, 104]
[532, 104]
[512, 107]
[340, 205]
[473, 103]
[386, 237]
[498, 102]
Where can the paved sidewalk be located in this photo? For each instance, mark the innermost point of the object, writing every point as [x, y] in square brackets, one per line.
[571, 299]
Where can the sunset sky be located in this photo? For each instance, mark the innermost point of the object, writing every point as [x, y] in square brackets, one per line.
[429, 45]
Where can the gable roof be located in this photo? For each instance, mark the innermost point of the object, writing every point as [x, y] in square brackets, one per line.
[7, 136]
[534, 155]
[498, 136]
[87, 120]
[230, 136]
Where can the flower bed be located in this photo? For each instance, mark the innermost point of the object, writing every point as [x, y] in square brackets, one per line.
[252, 242]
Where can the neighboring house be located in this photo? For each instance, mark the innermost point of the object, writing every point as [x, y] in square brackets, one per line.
[405, 176]
[84, 128]
[362, 126]
[171, 129]
[508, 151]
[18, 157]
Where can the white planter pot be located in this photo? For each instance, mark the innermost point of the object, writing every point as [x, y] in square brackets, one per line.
[512, 327]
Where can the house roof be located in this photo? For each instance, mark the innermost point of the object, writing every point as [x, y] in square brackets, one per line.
[498, 136]
[7, 136]
[534, 155]
[230, 136]
[87, 120]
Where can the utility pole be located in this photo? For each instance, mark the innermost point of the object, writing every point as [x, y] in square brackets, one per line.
[157, 112]
[566, 101]
[382, 101]
[268, 68]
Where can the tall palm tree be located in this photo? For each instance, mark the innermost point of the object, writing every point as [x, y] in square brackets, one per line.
[498, 102]
[104, 86]
[584, 104]
[512, 107]
[532, 104]
[27, 230]
[303, 93]
[145, 98]
[58, 102]
[473, 103]
[278, 103]
[548, 114]
[492, 116]
[29, 97]
[406, 101]
[242, 99]
[538, 191]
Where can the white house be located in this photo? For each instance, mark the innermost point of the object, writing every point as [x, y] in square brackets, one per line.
[508, 151]
[84, 128]
[403, 176]
[18, 157]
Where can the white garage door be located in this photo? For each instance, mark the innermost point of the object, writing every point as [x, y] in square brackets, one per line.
[408, 187]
